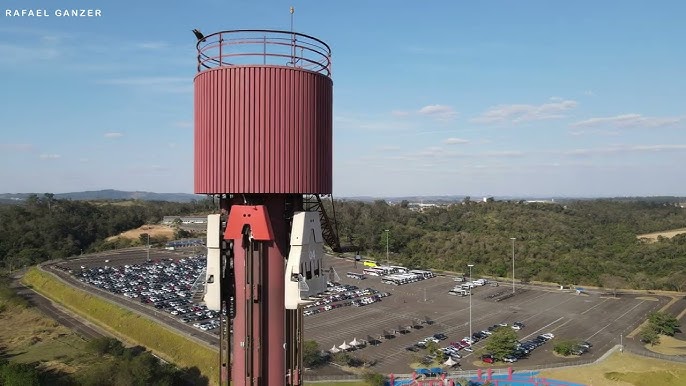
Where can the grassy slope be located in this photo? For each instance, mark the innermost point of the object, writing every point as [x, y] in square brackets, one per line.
[128, 325]
[669, 346]
[28, 336]
[624, 369]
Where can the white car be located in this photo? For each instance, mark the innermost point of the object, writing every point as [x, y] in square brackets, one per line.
[548, 335]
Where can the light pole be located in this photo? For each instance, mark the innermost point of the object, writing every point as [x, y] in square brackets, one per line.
[621, 343]
[387, 232]
[470, 301]
[513, 271]
[148, 259]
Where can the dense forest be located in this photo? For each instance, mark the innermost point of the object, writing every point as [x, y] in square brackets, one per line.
[586, 242]
[591, 242]
[43, 228]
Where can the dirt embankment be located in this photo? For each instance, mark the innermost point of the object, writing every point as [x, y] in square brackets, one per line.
[152, 230]
[651, 237]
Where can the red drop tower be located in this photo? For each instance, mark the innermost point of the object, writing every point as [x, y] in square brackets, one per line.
[263, 145]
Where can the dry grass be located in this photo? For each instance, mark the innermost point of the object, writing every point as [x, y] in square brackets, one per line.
[127, 325]
[624, 369]
[21, 328]
[152, 230]
[28, 336]
[669, 346]
[651, 237]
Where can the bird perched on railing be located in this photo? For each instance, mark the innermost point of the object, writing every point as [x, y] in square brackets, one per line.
[199, 35]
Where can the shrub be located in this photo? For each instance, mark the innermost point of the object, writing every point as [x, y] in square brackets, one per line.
[650, 334]
[374, 379]
[664, 323]
[564, 347]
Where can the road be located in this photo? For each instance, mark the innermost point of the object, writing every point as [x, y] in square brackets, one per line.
[62, 316]
[134, 256]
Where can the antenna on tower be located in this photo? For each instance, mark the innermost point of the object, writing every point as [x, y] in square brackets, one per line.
[292, 12]
[292, 38]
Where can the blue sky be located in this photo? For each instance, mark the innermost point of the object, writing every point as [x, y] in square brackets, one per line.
[497, 98]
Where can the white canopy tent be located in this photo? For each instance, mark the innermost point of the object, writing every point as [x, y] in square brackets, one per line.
[334, 349]
[450, 362]
[344, 346]
[354, 342]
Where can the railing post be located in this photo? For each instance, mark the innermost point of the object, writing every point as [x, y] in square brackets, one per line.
[221, 57]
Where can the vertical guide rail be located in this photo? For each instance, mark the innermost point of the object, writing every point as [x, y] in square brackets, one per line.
[253, 317]
[294, 342]
[227, 313]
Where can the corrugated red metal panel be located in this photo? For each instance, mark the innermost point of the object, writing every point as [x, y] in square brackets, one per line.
[263, 129]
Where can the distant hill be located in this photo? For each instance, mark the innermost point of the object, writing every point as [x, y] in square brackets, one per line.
[112, 194]
[108, 194]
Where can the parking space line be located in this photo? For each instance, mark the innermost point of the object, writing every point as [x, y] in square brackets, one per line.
[544, 327]
[593, 307]
[616, 319]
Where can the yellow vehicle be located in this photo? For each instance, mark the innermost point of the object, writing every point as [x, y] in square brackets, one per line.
[370, 263]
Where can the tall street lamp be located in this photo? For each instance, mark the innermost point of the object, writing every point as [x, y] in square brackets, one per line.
[470, 301]
[148, 257]
[387, 232]
[513, 271]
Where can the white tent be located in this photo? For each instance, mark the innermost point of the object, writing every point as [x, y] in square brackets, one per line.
[344, 346]
[355, 342]
[450, 362]
[334, 349]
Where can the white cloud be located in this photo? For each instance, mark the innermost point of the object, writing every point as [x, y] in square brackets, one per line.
[619, 149]
[522, 112]
[22, 54]
[49, 156]
[184, 124]
[113, 135]
[628, 121]
[370, 123]
[455, 141]
[388, 148]
[152, 45]
[440, 112]
[147, 81]
[400, 113]
[16, 146]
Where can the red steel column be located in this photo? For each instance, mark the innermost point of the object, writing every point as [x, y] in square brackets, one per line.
[238, 373]
[273, 294]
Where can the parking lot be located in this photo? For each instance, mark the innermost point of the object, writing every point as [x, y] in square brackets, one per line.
[161, 286]
[422, 309]
[567, 315]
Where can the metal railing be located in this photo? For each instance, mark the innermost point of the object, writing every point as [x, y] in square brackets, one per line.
[264, 47]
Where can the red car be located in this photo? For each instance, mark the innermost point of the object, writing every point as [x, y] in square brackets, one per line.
[487, 359]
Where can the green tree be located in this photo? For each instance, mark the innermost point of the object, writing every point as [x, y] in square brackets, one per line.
[664, 323]
[502, 342]
[374, 379]
[432, 347]
[311, 354]
[650, 335]
[564, 347]
[18, 374]
[180, 233]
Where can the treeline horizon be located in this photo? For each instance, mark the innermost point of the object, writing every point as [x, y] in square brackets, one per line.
[44, 228]
[586, 242]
